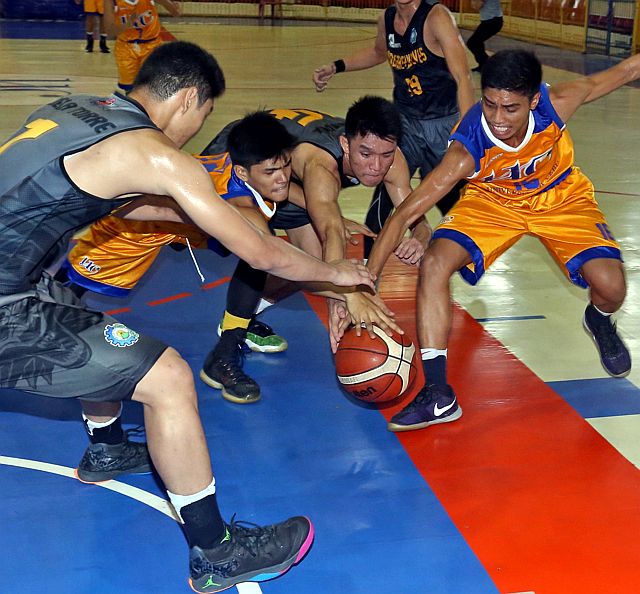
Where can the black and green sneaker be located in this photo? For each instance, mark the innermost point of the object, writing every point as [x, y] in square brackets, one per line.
[262, 338]
[250, 553]
[103, 462]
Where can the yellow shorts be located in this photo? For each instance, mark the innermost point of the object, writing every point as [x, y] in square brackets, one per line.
[565, 218]
[94, 6]
[129, 58]
[113, 254]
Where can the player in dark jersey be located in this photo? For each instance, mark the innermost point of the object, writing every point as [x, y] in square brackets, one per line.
[331, 154]
[431, 87]
[76, 160]
[514, 149]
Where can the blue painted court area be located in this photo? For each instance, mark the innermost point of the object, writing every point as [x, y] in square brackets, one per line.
[303, 449]
[15, 29]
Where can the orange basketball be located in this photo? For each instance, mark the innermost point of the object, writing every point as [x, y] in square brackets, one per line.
[376, 370]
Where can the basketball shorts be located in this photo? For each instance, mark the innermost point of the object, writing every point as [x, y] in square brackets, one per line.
[113, 254]
[289, 216]
[565, 218]
[52, 346]
[94, 6]
[129, 58]
[424, 142]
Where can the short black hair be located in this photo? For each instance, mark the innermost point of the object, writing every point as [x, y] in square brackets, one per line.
[178, 65]
[373, 115]
[258, 137]
[518, 71]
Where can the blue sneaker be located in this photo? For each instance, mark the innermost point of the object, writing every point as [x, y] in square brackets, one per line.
[614, 355]
[432, 405]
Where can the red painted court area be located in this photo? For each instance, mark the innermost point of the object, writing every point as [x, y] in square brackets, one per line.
[545, 502]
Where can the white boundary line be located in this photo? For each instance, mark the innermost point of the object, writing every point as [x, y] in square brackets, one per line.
[149, 499]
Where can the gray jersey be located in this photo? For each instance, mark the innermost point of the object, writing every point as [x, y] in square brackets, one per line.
[40, 206]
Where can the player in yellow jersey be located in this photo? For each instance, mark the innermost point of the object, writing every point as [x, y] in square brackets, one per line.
[136, 25]
[515, 152]
[94, 11]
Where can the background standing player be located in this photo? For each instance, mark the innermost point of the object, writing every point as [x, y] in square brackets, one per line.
[431, 88]
[137, 27]
[94, 14]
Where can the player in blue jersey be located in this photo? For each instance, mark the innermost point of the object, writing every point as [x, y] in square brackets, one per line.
[515, 152]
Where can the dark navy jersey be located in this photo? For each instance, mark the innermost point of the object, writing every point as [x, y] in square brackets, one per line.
[306, 126]
[40, 207]
[423, 87]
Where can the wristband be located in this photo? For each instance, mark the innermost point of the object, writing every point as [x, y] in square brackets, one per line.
[340, 66]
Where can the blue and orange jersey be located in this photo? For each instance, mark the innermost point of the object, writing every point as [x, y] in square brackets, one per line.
[229, 185]
[146, 24]
[543, 159]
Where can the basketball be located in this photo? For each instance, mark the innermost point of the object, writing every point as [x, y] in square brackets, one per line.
[375, 370]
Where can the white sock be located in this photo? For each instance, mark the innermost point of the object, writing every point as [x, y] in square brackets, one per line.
[262, 306]
[427, 354]
[91, 425]
[180, 501]
[602, 313]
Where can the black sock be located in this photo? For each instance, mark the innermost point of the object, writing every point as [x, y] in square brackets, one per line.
[435, 370]
[203, 525]
[112, 434]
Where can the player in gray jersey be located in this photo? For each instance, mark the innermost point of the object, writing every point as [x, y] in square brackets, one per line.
[75, 160]
[432, 87]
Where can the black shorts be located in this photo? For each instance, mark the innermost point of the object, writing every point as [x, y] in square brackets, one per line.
[289, 216]
[51, 345]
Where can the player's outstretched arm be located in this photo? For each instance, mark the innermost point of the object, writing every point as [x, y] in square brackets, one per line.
[456, 164]
[361, 60]
[567, 97]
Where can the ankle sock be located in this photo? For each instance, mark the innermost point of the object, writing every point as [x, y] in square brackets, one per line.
[434, 365]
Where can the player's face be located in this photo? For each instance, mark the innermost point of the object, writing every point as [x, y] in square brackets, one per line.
[191, 121]
[369, 158]
[507, 114]
[271, 178]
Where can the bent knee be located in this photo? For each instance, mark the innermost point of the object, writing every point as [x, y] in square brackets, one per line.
[169, 378]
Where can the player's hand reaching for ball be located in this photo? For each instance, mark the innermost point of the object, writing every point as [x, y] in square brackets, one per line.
[351, 273]
[322, 75]
[366, 309]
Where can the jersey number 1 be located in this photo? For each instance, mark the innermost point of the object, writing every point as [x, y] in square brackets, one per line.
[33, 130]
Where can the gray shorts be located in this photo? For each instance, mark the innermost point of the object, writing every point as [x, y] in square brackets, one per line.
[51, 345]
[424, 142]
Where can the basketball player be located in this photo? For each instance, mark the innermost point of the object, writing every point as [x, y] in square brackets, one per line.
[94, 11]
[431, 87]
[112, 255]
[331, 154]
[76, 160]
[515, 152]
[136, 25]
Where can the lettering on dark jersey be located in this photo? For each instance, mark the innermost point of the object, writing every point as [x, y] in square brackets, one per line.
[99, 123]
[406, 61]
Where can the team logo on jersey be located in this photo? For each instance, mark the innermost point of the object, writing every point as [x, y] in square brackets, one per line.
[391, 40]
[414, 36]
[106, 102]
[445, 220]
[89, 265]
[118, 335]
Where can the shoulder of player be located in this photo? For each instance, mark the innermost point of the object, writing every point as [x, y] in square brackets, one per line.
[308, 157]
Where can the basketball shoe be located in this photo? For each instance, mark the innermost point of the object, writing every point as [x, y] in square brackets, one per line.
[261, 338]
[103, 462]
[614, 355]
[433, 405]
[249, 553]
[224, 372]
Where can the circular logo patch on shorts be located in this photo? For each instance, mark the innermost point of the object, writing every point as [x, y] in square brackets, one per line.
[119, 335]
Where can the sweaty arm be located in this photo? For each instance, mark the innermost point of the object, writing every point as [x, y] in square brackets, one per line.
[456, 164]
[441, 27]
[147, 162]
[361, 60]
[567, 97]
